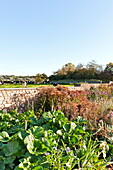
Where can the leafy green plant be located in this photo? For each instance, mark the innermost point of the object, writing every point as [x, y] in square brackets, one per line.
[51, 142]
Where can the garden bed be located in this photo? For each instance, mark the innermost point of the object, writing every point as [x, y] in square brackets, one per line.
[68, 130]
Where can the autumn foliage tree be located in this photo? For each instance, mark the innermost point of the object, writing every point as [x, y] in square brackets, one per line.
[65, 72]
[69, 71]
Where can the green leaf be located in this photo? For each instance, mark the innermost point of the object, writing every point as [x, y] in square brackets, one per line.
[46, 127]
[46, 142]
[22, 134]
[2, 164]
[2, 158]
[23, 166]
[17, 168]
[34, 146]
[25, 163]
[29, 141]
[46, 165]
[39, 147]
[38, 168]
[79, 130]
[11, 148]
[67, 127]
[37, 131]
[10, 159]
[74, 139]
[4, 137]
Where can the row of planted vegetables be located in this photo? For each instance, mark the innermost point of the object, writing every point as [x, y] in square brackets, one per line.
[67, 130]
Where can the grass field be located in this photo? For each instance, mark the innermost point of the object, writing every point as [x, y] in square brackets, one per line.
[28, 85]
[20, 85]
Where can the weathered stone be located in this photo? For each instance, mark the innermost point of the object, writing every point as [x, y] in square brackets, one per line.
[14, 98]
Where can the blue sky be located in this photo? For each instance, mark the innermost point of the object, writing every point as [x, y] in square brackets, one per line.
[40, 36]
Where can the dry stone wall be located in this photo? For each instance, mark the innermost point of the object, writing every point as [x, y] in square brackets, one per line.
[20, 98]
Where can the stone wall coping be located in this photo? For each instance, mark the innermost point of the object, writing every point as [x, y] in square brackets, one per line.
[2, 89]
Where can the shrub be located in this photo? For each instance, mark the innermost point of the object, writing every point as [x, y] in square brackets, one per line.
[94, 105]
[72, 102]
[103, 97]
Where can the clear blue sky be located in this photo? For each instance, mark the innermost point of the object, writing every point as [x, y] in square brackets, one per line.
[40, 36]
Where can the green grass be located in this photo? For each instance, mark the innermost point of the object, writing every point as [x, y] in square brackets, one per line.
[20, 85]
[28, 85]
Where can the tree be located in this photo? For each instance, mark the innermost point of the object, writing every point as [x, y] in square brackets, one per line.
[94, 66]
[108, 72]
[69, 67]
[80, 74]
[93, 69]
[79, 66]
[40, 78]
[109, 68]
